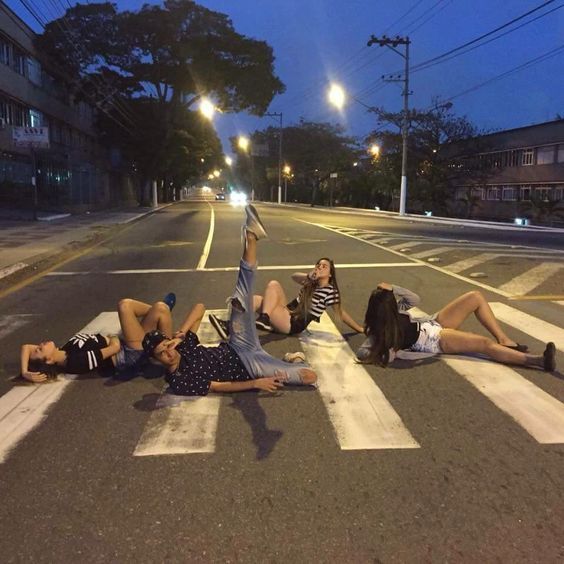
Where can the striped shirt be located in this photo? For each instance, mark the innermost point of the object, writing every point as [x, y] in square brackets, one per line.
[84, 353]
[321, 299]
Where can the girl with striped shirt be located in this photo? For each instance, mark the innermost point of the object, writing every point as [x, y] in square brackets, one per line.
[319, 290]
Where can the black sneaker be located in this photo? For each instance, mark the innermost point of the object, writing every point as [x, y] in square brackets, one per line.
[221, 327]
[550, 357]
[170, 300]
[263, 322]
[253, 223]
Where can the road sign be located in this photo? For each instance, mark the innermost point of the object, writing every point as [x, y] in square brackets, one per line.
[31, 137]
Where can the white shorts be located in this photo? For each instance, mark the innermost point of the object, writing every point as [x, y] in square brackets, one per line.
[429, 336]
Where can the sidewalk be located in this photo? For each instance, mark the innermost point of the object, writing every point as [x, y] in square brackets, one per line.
[27, 245]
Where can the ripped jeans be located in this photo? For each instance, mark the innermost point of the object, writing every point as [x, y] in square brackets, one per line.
[243, 337]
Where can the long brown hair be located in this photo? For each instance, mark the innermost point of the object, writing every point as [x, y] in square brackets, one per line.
[382, 325]
[309, 287]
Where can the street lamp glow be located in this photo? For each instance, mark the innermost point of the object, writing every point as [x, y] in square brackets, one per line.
[374, 150]
[207, 109]
[228, 160]
[336, 96]
[287, 170]
[243, 143]
[216, 173]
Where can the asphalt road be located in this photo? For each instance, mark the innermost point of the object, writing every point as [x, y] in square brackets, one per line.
[278, 487]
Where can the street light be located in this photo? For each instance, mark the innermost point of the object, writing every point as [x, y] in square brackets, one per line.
[287, 173]
[374, 150]
[207, 108]
[336, 96]
[228, 160]
[216, 173]
[243, 143]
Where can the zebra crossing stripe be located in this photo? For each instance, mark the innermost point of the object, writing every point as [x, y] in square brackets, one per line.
[536, 328]
[361, 415]
[181, 425]
[541, 415]
[24, 407]
[465, 264]
[10, 323]
[407, 245]
[431, 252]
[532, 278]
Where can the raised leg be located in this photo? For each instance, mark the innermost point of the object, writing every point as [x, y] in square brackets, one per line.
[156, 316]
[456, 312]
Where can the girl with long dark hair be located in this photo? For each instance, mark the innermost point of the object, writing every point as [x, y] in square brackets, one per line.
[390, 329]
[319, 290]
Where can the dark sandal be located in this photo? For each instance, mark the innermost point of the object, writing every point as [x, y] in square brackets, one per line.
[550, 357]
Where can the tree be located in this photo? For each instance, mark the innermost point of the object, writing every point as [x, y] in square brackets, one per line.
[144, 69]
[428, 170]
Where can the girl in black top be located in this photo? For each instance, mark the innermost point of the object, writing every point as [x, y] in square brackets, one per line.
[390, 330]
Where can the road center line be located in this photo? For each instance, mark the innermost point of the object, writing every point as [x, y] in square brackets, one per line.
[207, 246]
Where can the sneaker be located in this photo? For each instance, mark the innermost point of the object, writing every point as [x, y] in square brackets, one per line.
[221, 327]
[550, 357]
[263, 322]
[253, 224]
[170, 300]
[294, 357]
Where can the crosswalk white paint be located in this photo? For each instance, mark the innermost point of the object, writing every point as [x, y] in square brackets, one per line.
[11, 323]
[406, 245]
[533, 326]
[11, 269]
[531, 279]
[23, 408]
[361, 415]
[470, 262]
[541, 415]
[181, 425]
[431, 252]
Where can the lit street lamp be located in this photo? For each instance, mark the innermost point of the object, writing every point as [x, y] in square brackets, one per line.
[228, 160]
[243, 143]
[287, 173]
[374, 150]
[336, 96]
[207, 108]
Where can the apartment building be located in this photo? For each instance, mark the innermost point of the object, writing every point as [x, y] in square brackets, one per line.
[75, 172]
[506, 174]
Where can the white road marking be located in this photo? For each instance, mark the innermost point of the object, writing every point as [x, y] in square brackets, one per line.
[207, 246]
[531, 279]
[293, 267]
[541, 415]
[530, 325]
[431, 252]
[407, 245]
[470, 262]
[183, 425]
[24, 407]
[11, 269]
[360, 414]
[10, 323]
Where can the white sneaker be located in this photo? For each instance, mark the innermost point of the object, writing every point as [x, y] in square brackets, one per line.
[294, 357]
[253, 223]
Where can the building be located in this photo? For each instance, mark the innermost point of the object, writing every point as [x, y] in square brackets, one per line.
[517, 172]
[75, 172]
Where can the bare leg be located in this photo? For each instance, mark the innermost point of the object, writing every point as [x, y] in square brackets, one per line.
[156, 316]
[453, 341]
[250, 248]
[257, 303]
[456, 312]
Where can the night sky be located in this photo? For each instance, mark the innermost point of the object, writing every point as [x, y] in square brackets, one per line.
[316, 41]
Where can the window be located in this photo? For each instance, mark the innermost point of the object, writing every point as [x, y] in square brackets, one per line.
[493, 193]
[526, 193]
[5, 49]
[19, 61]
[557, 194]
[35, 118]
[561, 153]
[543, 194]
[6, 111]
[545, 155]
[528, 157]
[34, 71]
[477, 193]
[510, 194]
[513, 158]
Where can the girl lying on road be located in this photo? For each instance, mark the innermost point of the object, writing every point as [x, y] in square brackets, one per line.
[84, 352]
[319, 289]
[389, 329]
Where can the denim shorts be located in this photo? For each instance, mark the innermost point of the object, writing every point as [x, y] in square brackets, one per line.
[429, 338]
[127, 357]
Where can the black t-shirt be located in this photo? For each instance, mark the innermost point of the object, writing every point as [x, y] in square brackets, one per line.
[410, 330]
[200, 365]
[84, 353]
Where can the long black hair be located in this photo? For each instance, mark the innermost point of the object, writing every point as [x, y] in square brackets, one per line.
[309, 287]
[381, 321]
[50, 370]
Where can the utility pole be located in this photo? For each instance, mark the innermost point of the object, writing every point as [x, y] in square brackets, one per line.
[278, 115]
[392, 43]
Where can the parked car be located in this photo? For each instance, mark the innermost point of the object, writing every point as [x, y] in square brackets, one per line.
[220, 196]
